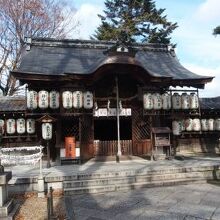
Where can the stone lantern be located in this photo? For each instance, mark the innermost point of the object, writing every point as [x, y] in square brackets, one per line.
[7, 206]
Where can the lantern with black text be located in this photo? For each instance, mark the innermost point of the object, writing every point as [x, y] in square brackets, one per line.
[47, 131]
[148, 101]
[54, 99]
[88, 100]
[77, 99]
[43, 99]
[2, 126]
[30, 126]
[32, 99]
[20, 124]
[67, 97]
[10, 126]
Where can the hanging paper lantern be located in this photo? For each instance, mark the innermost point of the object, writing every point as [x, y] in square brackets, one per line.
[20, 124]
[2, 126]
[189, 124]
[176, 127]
[194, 101]
[176, 101]
[185, 101]
[196, 124]
[77, 99]
[166, 101]
[88, 100]
[10, 126]
[67, 98]
[54, 99]
[47, 131]
[148, 101]
[32, 99]
[43, 98]
[157, 101]
[204, 125]
[211, 124]
[30, 125]
[217, 124]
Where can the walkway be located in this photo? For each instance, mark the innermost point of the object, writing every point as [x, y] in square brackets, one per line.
[182, 202]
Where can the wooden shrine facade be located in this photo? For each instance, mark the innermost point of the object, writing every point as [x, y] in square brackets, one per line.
[76, 68]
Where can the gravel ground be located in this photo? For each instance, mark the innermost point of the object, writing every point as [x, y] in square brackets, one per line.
[34, 208]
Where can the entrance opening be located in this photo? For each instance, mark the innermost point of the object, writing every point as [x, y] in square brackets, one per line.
[106, 129]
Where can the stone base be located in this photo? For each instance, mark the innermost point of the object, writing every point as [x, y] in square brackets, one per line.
[9, 210]
[41, 193]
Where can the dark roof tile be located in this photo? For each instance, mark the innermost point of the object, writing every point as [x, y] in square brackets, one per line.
[57, 57]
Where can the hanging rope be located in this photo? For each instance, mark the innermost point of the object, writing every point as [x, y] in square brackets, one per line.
[21, 155]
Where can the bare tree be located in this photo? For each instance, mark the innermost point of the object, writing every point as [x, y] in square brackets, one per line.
[28, 18]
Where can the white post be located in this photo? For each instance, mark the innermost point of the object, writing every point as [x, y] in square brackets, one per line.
[41, 193]
[118, 119]
[41, 173]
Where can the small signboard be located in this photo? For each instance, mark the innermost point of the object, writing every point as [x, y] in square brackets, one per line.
[104, 112]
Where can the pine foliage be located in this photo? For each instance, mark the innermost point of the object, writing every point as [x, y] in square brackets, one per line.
[216, 30]
[134, 21]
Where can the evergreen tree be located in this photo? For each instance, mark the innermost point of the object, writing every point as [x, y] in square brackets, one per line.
[216, 30]
[134, 21]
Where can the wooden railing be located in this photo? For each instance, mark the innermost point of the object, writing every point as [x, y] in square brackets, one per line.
[110, 148]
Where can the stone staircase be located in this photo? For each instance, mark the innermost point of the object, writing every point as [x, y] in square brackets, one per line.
[127, 180]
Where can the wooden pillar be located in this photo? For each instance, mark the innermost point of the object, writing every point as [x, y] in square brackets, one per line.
[86, 137]
[58, 143]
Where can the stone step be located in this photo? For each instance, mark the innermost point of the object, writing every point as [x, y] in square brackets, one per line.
[135, 179]
[93, 189]
[159, 183]
[111, 188]
[113, 174]
[98, 182]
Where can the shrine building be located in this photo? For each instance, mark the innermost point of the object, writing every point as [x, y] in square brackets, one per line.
[110, 99]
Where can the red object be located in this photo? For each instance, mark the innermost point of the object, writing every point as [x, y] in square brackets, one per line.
[70, 147]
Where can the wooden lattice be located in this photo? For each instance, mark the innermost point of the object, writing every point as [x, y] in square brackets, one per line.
[70, 127]
[141, 125]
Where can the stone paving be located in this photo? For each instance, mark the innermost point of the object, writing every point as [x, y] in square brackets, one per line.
[182, 202]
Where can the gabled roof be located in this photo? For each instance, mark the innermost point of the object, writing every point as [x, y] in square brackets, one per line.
[52, 57]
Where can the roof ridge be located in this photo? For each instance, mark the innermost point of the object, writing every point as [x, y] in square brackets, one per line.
[52, 42]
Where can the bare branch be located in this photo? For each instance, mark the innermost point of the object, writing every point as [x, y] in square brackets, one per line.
[28, 18]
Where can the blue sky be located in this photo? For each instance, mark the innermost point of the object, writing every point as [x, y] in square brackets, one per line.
[197, 49]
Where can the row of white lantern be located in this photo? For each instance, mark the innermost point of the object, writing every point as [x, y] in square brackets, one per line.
[157, 101]
[195, 125]
[44, 99]
[19, 125]
[77, 99]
